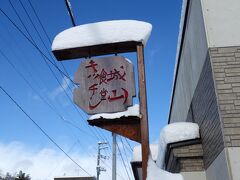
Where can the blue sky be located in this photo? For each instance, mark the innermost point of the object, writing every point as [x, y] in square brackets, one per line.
[16, 129]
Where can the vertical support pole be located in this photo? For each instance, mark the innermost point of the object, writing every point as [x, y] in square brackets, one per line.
[98, 162]
[114, 162]
[143, 110]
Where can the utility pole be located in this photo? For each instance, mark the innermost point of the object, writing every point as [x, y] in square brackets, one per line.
[99, 168]
[114, 162]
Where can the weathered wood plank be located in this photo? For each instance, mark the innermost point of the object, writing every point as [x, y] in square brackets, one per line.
[143, 110]
[125, 126]
[98, 50]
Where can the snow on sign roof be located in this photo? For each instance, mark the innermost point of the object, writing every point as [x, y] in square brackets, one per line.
[131, 111]
[105, 32]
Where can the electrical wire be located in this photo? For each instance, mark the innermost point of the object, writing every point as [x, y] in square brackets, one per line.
[45, 58]
[42, 130]
[54, 169]
[48, 51]
[125, 153]
[131, 149]
[31, 87]
[34, 45]
[38, 94]
[45, 32]
[125, 167]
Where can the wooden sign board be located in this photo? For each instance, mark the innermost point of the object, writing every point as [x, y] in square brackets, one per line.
[106, 85]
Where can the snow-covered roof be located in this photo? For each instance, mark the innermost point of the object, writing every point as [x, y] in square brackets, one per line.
[105, 32]
[171, 133]
[131, 111]
[154, 172]
[137, 152]
[175, 132]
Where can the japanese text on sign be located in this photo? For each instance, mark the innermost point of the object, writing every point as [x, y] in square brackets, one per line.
[106, 85]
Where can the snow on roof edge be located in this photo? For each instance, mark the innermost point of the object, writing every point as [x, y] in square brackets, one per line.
[131, 111]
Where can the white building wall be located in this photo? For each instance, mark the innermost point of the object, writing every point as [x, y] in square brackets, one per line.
[198, 175]
[234, 162]
[222, 22]
[219, 168]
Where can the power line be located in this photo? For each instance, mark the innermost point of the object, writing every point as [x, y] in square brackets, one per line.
[35, 28]
[40, 22]
[96, 132]
[34, 45]
[131, 149]
[36, 124]
[45, 57]
[41, 39]
[125, 167]
[71, 123]
[45, 32]
[31, 41]
[28, 83]
[35, 91]
[124, 150]
[33, 25]
[119, 175]
[54, 169]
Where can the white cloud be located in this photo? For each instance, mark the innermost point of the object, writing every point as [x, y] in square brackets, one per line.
[61, 88]
[45, 164]
[33, 96]
[58, 93]
[152, 55]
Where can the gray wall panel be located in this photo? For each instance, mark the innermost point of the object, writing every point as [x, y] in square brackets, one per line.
[193, 55]
[205, 113]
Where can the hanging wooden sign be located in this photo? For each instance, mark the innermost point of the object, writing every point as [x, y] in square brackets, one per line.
[105, 85]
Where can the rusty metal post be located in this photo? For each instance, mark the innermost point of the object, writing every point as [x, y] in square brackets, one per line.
[143, 110]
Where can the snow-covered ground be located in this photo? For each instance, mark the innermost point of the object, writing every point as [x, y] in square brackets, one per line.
[155, 173]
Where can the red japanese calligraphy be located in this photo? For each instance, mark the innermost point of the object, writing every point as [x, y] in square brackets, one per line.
[110, 98]
[103, 94]
[115, 97]
[116, 75]
[103, 78]
[93, 88]
[92, 65]
[91, 107]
